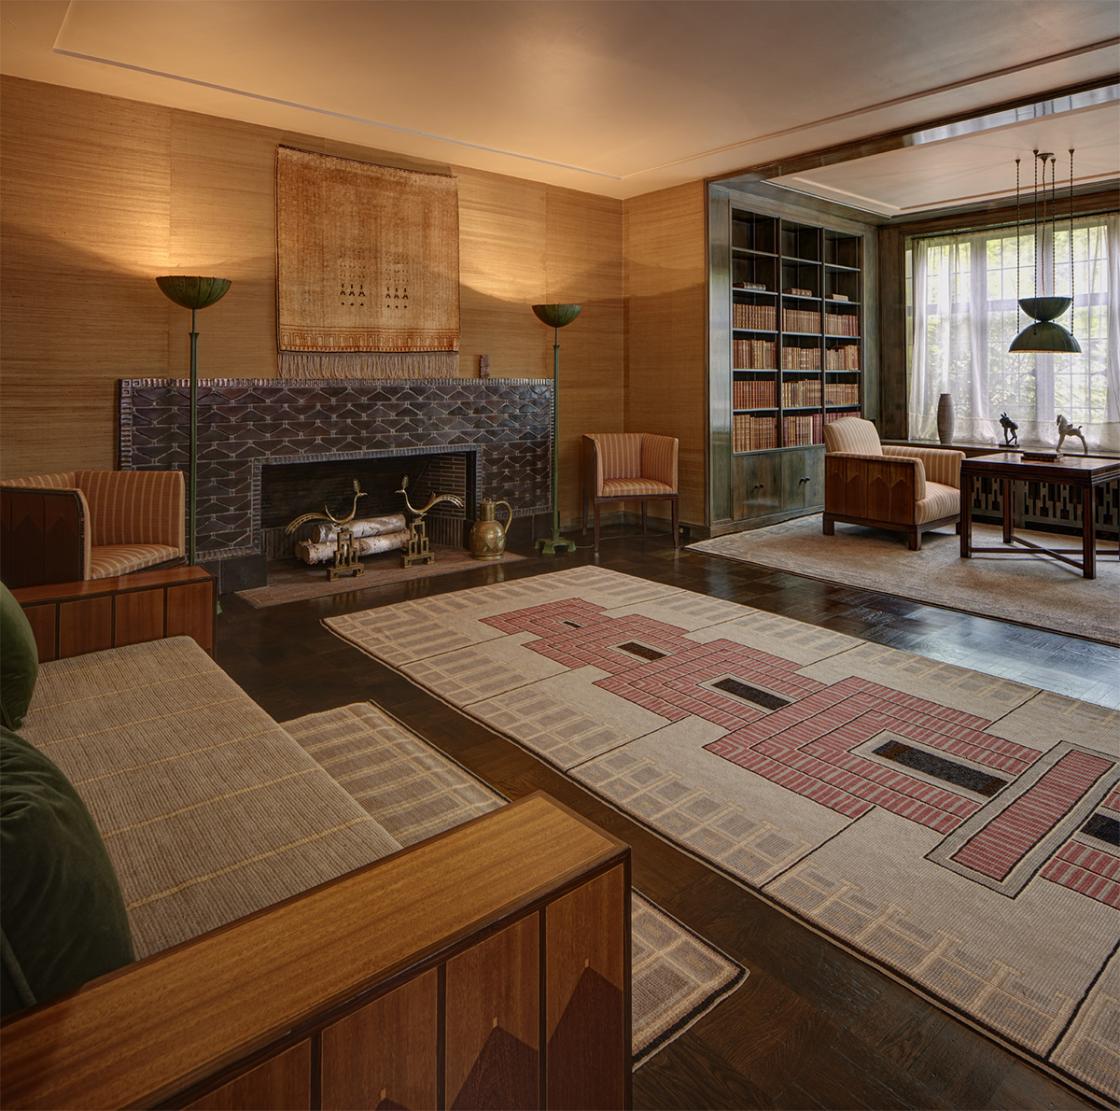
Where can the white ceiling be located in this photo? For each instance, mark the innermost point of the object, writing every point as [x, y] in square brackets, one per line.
[970, 169]
[617, 98]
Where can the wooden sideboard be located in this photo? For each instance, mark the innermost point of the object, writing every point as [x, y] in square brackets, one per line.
[69, 619]
[487, 967]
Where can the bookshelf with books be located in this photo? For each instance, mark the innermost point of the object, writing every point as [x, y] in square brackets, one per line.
[796, 347]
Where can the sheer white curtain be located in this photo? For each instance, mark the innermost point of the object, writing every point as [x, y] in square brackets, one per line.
[963, 313]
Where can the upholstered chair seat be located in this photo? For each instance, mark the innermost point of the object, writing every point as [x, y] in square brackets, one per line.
[629, 466]
[902, 489]
[77, 525]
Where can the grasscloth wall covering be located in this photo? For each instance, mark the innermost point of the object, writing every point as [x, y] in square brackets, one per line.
[666, 328]
[101, 194]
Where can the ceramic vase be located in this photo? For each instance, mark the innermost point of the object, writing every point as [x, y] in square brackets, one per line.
[945, 418]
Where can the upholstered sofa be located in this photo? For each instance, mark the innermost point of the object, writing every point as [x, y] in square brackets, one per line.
[900, 489]
[75, 525]
[293, 950]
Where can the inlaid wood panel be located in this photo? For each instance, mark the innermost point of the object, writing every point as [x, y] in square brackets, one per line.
[139, 616]
[492, 1021]
[385, 1054]
[190, 612]
[586, 1022]
[42, 620]
[666, 329]
[282, 1083]
[85, 626]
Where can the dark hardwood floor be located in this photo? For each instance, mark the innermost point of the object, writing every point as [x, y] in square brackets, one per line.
[813, 1026]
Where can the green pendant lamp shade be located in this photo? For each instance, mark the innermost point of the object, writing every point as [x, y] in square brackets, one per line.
[556, 317]
[193, 293]
[1044, 336]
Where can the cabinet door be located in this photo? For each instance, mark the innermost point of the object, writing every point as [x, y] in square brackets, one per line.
[282, 1083]
[492, 1023]
[587, 1013]
[803, 478]
[385, 1053]
[757, 485]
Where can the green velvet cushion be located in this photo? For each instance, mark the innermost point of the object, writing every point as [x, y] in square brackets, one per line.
[62, 918]
[19, 661]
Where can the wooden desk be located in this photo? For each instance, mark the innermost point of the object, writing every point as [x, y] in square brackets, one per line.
[1075, 471]
[70, 619]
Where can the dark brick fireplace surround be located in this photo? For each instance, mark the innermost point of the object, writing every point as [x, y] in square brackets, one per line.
[246, 424]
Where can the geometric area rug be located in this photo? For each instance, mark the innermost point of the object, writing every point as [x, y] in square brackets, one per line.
[958, 830]
[416, 791]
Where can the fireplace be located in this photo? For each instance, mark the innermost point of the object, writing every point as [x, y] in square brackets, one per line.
[498, 429]
[291, 487]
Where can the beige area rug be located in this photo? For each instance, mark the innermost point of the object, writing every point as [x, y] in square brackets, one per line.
[1030, 591]
[958, 830]
[289, 581]
[415, 792]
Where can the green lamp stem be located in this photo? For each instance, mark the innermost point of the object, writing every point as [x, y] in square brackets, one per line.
[192, 503]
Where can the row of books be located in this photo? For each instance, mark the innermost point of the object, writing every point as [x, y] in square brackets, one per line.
[841, 324]
[801, 358]
[753, 433]
[801, 391]
[750, 433]
[753, 354]
[845, 357]
[807, 428]
[754, 316]
[841, 393]
[800, 320]
[754, 393]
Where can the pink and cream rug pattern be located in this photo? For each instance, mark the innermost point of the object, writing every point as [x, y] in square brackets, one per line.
[958, 829]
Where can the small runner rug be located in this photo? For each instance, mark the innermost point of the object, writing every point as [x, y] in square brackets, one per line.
[959, 830]
[1029, 590]
[415, 792]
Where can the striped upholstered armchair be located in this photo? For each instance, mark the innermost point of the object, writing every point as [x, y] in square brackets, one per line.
[903, 489]
[77, 525]
[629, 466]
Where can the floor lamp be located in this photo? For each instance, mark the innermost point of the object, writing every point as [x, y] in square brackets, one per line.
[193, 294]
[556, 317]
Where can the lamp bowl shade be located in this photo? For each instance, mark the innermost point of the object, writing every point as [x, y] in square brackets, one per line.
[193, 293]
[1046, 337]
[557, 316]
[1044, 308]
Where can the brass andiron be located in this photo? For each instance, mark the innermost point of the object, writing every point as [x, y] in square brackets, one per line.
[346, 560]
[488, 534]
[419, 550]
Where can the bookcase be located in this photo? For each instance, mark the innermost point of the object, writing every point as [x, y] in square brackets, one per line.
[796, 362]
[791, 286]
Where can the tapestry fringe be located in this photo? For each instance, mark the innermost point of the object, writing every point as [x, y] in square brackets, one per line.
[370, 364]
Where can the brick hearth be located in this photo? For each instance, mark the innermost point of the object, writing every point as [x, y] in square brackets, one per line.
[245, 424]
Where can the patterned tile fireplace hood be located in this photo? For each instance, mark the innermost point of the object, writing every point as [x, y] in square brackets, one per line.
[246, 423]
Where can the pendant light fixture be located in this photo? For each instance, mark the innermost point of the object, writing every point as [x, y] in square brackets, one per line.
[1044, 335]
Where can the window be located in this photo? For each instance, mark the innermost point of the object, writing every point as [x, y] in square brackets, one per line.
[962, 314]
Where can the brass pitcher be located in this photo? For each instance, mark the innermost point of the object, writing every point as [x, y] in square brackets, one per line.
[488, 534]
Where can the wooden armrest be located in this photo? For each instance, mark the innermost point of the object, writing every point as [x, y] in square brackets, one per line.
[308, 986]
[44, 535]
[873, 487]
